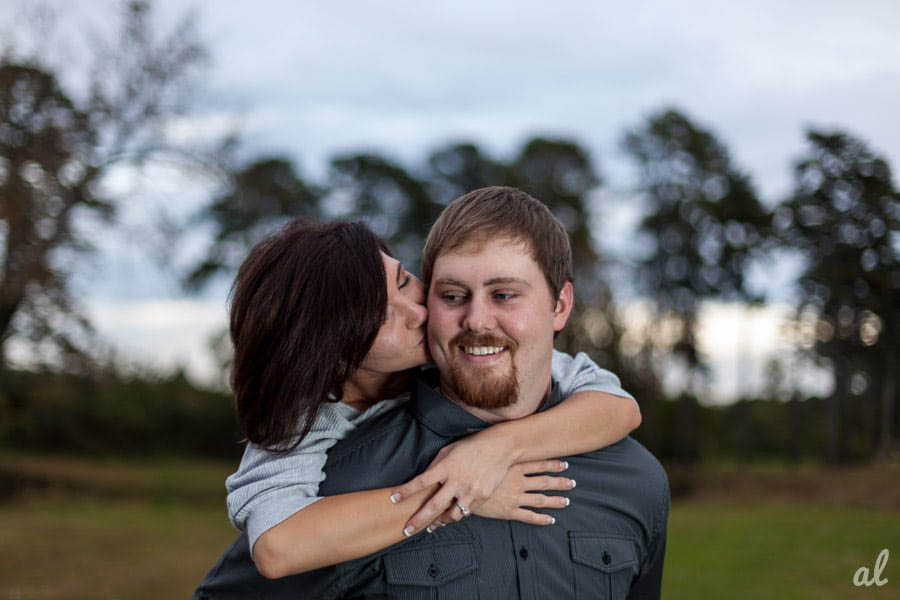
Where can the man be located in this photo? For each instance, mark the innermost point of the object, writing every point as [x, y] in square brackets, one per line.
[499, 268]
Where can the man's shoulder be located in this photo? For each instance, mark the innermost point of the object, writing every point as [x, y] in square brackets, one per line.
[373, 440]
[633, 453]
[392, 423]
[385, 451]
[377, 439]
[629, 465]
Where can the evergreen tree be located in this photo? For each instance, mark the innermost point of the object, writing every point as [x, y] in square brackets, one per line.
[703, 220]
[844, 217]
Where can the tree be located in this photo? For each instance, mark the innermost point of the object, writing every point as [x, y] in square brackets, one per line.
[462, 167]
[844, 217]
[704, 220]
[56, 146]
[702, 217]
[393, 201]
[43, 180]
[259, 198]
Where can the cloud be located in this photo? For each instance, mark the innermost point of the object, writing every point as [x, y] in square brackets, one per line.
[163, 334]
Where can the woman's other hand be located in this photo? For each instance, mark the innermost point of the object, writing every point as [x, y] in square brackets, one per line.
[469, 471]
[517, 490]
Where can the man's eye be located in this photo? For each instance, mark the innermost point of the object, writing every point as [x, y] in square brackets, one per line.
[451, 297]
[505, 295]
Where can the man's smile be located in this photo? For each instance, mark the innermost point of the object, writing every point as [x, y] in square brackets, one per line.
[482, 355]
[481, 350]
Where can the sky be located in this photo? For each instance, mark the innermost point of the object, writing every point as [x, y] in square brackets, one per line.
[310, 80]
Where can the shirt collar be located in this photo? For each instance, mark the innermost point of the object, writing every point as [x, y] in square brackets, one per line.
[446, 418]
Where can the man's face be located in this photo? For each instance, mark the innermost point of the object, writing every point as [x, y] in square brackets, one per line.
[491, 323]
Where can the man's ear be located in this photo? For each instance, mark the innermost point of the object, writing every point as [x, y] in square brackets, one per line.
[563, 306]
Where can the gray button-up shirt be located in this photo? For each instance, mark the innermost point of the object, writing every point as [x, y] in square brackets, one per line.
[609, 543]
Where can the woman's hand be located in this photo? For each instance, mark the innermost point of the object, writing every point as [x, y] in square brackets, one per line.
[468, 470]
[516, 490]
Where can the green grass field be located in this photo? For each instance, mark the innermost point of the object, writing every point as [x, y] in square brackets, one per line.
[126, 530]
[777, 551]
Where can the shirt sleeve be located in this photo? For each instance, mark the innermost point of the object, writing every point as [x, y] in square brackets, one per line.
[581, 374]
[269, 487]
[648, 583]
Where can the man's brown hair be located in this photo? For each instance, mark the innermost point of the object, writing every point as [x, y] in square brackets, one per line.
[502, 212]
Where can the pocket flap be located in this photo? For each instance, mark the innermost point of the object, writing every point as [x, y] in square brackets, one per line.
[608, 553]
[431, 565]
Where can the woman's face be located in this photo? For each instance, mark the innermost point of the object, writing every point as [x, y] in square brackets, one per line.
[401, 342]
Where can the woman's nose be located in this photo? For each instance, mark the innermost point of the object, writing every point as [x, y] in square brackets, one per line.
[419, 313]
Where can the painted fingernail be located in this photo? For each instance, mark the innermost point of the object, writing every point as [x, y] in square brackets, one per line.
[571, 483]
[430, 528]
[552, 520]
[565, 465]
[395, 498]
[408, 530]
[566, 501]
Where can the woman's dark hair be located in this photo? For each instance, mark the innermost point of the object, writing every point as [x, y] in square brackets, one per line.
[306, 307]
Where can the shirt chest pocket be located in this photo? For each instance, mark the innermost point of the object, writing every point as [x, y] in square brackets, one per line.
[604, 565]
[433, 572]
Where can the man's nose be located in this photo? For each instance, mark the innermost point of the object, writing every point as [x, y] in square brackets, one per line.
[478, 316]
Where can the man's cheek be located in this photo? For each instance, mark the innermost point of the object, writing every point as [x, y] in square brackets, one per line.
[517, 328]
[439, 327]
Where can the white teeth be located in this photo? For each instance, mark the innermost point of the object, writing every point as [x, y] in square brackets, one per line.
[482, 350]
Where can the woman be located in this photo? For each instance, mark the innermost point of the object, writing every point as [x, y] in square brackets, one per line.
[326, 327]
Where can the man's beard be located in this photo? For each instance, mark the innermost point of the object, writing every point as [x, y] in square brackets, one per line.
[483, 386]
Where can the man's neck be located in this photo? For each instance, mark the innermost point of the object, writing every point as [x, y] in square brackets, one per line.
[527, 404]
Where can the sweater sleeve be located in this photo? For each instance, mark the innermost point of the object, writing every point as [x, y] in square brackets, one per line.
[581, 374]
[269, 487]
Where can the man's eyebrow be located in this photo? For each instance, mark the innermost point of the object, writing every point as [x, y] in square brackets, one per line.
[492, 281]
[496, 280]
[449, 281]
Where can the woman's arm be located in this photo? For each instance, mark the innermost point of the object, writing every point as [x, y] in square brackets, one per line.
[584, 422]
[333, 530]
[347, 526]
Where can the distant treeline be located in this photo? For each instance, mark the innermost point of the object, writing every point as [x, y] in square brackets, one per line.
[120, 415]
[113, 414]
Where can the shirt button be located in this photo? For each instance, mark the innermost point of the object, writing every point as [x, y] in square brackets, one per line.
[606, 558]
[523, 552]
[433, 570]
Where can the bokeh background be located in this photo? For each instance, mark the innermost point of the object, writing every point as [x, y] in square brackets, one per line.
[724, 170]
